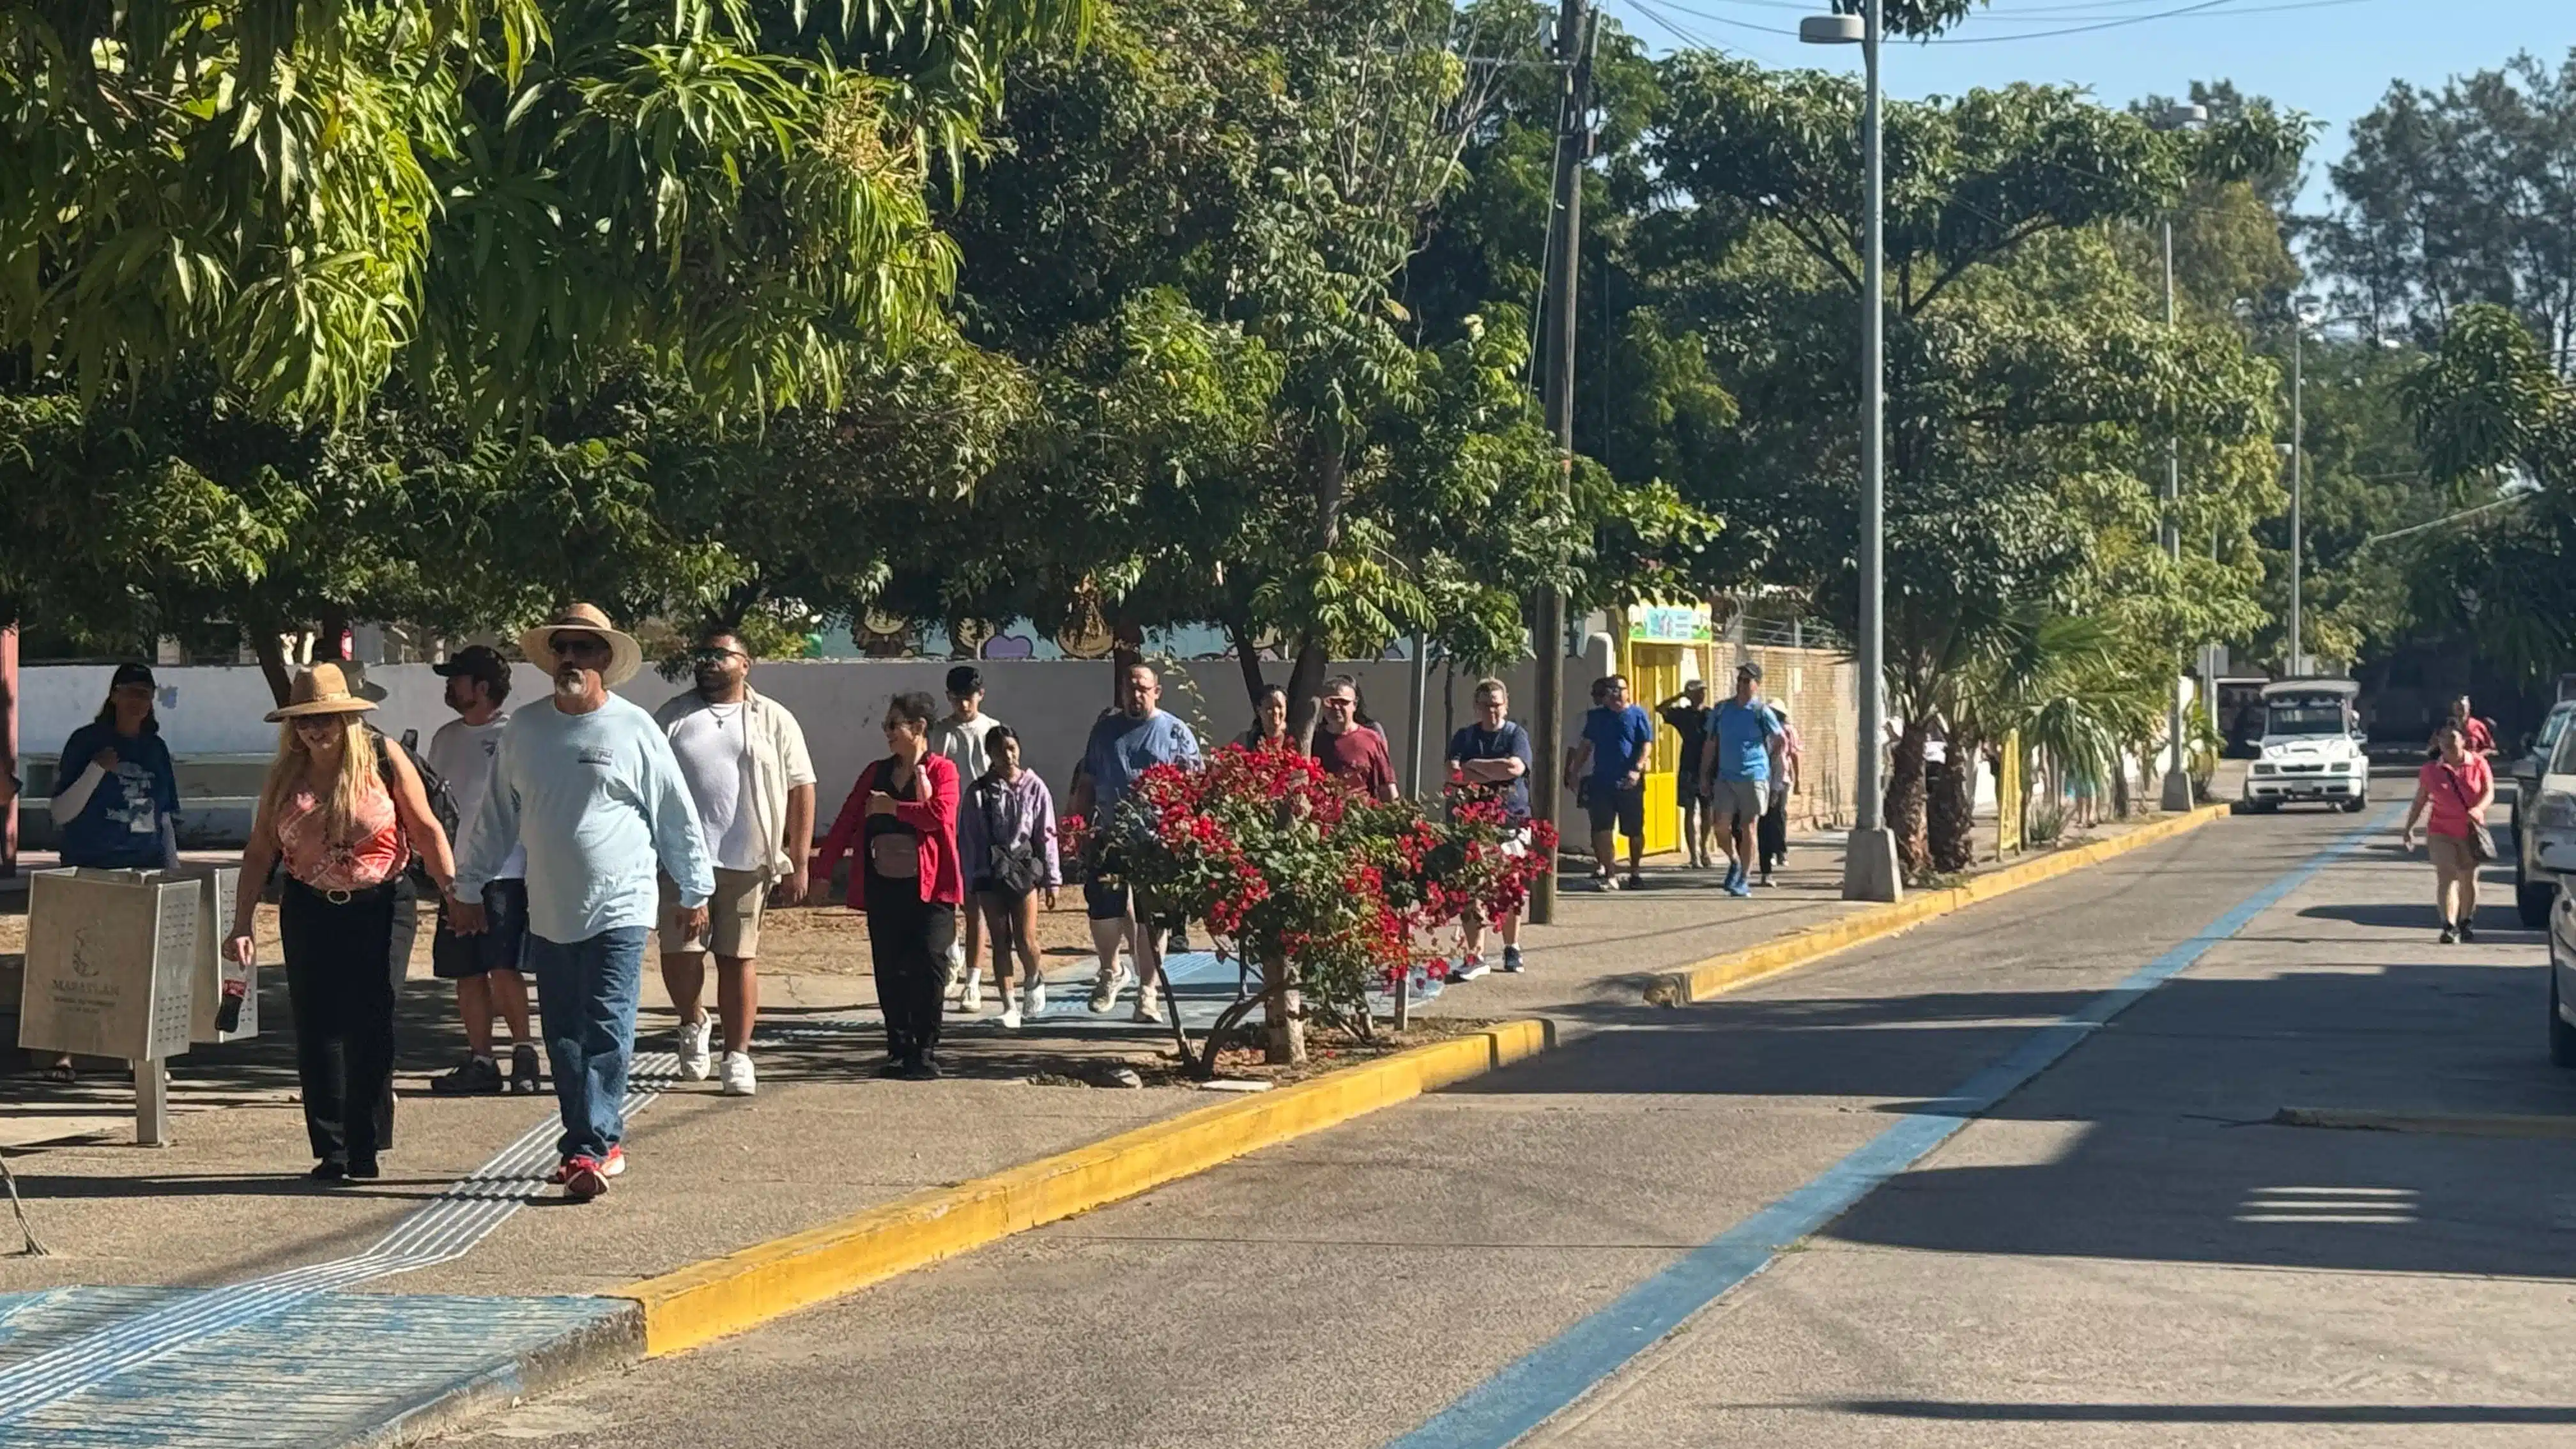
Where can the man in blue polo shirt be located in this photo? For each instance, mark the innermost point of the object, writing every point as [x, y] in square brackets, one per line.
[1616, 736]
[1744, 742]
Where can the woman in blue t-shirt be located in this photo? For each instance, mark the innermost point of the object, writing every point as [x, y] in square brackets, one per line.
[116, 800]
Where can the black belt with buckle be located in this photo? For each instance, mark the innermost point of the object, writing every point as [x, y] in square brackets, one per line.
[381, 890]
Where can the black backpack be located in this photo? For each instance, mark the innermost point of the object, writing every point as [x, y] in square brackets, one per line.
[442, 801]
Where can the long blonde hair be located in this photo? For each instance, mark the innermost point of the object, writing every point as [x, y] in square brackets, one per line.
[358, 775]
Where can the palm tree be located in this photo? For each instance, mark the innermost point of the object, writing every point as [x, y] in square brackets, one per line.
[2070, 688]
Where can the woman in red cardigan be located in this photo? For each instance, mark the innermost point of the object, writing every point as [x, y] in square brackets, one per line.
[902, 816]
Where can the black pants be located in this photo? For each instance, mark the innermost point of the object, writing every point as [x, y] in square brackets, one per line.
[343, 959]
[908, 942]
[1772, 833]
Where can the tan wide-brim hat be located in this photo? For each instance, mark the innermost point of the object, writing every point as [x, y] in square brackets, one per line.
[625, 656]
[322, 689]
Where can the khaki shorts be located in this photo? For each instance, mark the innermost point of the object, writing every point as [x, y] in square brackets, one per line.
[733, 916]
[2451, 853]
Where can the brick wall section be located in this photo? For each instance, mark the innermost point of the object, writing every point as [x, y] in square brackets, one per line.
[1823, 701]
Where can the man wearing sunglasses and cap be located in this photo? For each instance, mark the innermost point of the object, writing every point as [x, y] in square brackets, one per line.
[1743, 754]
[586, 783]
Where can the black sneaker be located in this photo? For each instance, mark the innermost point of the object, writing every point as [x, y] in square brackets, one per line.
[523, 1070]
[2450, 933]
[477, 1078]
[329, 1169]
[1511, 961]
[890, 1068]
[364, 1169]
[2468, 933]
[1180, 943]
[924, 1070]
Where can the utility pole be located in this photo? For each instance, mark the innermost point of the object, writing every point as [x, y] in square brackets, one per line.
[2177, 790]
[1565, 236]
[2177, 787]
[2297, 665]
[1869, 852]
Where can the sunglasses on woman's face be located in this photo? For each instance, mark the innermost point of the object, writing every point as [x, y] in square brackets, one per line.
[318, 724]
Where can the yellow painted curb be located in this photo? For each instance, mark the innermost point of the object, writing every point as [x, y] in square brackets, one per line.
[1723, 973]
[729, 1294]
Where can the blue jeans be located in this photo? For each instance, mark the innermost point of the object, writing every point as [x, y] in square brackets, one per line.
[586, 1000]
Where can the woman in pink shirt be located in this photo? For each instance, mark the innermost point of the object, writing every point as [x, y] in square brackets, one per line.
[346, 816]
[2456, 787]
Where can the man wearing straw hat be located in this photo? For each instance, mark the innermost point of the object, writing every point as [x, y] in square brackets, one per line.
[588, 785]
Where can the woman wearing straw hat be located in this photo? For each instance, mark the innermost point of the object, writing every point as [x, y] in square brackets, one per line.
[346, 816]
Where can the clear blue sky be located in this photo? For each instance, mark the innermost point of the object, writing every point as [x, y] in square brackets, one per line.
[2330, 58]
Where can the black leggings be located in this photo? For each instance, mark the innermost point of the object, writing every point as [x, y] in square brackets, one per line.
[343, 959]
[908, 941]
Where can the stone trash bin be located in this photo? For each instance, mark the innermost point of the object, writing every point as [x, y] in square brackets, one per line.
[112, 960]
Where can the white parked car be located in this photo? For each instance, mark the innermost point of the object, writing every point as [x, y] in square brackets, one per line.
[2551, 830]
[2311, 747]
[2533, 889]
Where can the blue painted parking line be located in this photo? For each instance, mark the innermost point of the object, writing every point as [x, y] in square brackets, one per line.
[1527, 1393]
[110, 1356]
[328, 1370]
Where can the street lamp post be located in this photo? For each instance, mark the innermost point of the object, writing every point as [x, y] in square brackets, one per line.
[2297, 664]
[2177, 788]
[1869, 858]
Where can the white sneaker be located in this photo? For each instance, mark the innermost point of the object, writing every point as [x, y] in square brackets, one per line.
[695, 1063]
[1010, 1013]
[970, 996]
[1146, 1010]
[1104, 991]
[738, 1079]
[1034, 999]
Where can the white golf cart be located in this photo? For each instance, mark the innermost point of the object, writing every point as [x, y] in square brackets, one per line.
[2311, 747]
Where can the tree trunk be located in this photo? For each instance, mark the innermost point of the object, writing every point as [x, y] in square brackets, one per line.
[1306, 677]
[1904, 801]
[1283, 1014]
[333, 640]
[271, 652]
[1247, 657]
[1951, 809]
[1305, 682]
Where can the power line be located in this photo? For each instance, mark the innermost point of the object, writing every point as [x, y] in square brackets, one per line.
[2207, 9]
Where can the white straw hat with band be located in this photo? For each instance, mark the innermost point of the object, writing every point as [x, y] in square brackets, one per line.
[322, 689]
[625, 656]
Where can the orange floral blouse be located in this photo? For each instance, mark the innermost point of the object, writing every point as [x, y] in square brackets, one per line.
[374, 852]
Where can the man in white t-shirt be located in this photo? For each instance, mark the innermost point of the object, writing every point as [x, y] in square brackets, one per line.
[962, 738]
[743, 759]
[487, 967]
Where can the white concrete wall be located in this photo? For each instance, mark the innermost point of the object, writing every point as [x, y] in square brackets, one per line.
[215, 709]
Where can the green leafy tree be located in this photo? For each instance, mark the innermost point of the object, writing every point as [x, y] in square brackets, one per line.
[2031, 381]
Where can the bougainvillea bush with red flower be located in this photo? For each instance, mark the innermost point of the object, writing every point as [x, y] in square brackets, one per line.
[1327, 892]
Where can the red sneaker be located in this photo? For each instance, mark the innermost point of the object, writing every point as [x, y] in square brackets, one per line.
[610, 1166]
[584, 1179]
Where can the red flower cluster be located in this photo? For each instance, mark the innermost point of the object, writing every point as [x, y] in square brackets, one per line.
[1292, 869]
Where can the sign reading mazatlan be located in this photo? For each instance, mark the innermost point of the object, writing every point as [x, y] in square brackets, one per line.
[1671, 624]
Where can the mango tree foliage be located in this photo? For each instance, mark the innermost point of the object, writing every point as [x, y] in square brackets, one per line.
[2031, 380]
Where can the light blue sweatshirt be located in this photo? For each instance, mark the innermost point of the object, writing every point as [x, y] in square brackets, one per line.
[597, 800]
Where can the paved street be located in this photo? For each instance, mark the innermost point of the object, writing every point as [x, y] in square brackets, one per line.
[2122, 1251]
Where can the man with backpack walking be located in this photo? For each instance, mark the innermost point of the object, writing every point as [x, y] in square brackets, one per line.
[587, 785]
[487, 967]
